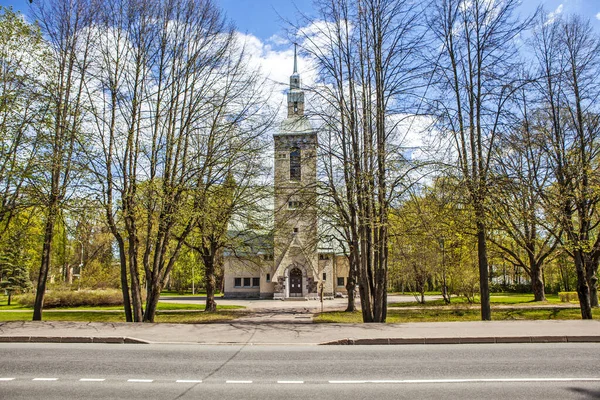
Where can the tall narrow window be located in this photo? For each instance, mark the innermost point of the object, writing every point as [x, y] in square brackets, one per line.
[295, 162]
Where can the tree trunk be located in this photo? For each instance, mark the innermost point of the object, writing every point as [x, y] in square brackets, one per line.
[45, 264]
[351, 285]
[537, 281]
[484, 288]
[583, 290]
[9, 297]
[153, 295]
[445, 294]
[591, 268]
[537, 284]
[209, 273]
[136, 293]
[124, 283]
[351, 289]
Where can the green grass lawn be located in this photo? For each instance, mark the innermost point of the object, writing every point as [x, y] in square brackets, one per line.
[196, 317]
[495, 298]
[161, 306]
[173, 293]
[456, 314]
[167, 312]
[165, 316]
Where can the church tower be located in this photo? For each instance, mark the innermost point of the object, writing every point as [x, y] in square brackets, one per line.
[296, 269]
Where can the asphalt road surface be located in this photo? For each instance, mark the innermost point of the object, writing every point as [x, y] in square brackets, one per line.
[495, 371]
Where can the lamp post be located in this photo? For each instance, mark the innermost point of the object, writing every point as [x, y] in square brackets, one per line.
[444, 280]
[193, 272]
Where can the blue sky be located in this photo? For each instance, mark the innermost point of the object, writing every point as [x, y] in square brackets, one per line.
[263, 18]
[262, 24]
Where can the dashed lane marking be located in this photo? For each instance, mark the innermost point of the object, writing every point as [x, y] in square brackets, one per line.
[355, 382]
[490, 380]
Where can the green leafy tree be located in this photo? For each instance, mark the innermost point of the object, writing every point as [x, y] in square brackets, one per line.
[432, 243]
[21, 110]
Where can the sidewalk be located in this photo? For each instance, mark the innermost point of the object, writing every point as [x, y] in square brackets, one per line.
[294, 333]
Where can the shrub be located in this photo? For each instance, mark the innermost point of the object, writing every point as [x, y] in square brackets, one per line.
[69, 298]
[510, 288]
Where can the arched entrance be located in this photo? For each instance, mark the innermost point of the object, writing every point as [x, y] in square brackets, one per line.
[295, 283]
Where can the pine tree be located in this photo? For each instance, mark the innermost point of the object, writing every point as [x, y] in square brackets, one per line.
[14, 276]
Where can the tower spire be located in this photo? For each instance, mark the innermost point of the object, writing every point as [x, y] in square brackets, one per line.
[295, 95]
[295, 58]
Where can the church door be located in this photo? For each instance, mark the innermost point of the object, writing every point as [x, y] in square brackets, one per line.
[295, 283]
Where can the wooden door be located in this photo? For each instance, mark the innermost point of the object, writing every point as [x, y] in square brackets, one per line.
[295, 283]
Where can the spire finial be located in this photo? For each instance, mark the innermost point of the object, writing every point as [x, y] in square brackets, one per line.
[295, 58]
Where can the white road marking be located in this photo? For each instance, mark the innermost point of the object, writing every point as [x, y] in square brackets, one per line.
[290, 382]
[141, 380]
[238, 381]
[6, 379]
[45, 379]
[187, 381]
[91, 380]
[490, 380]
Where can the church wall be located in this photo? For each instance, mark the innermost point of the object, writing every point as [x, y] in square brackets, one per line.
[326, 267]
[342, 270]
[252, 268]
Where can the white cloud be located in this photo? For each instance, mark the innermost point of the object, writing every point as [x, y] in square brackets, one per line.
[598, 16]
[278, 40]
[275, 59]
[554, 14]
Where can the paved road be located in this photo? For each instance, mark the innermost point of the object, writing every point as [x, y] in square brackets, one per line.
[512, 371]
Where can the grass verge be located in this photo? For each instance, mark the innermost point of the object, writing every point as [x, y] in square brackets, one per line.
[164, 315]
[496, 298]
[455, 314]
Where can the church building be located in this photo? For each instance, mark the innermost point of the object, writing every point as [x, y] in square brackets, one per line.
[290, 263]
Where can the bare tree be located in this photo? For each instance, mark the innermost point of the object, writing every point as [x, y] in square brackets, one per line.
[66, 27]
[523, 230]
[475, 53]
[180, 106]
[568, 60]
[365, 52]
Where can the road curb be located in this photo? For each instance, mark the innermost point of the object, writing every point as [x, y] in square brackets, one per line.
[72, 339]
[464, 340]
